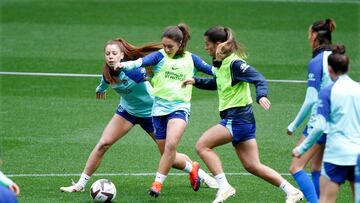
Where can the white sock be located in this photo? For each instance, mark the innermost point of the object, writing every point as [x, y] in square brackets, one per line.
[160, 177]
[83, 180]
[188, 167]
[288, 188]
[222, 181]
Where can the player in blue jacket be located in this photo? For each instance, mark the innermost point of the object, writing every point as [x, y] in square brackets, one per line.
[237, 125]
[8, 189]
[320, 39]
[135, 107]
[338, 114]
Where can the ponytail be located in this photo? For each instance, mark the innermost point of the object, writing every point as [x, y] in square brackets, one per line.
[228, 43]
[323, 29]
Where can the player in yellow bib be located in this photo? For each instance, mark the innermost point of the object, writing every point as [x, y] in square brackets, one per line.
[171, 107]
[237, 124]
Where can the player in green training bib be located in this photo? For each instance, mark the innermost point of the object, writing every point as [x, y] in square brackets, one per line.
[237, 124]
[171, 108]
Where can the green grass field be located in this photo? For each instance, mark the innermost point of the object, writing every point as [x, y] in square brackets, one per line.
[49, 125]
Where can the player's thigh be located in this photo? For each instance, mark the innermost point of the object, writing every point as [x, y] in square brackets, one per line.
[174, 131]
[328, 190]
[248, 152]
[117, 127]
[300, 163]
[214, 136]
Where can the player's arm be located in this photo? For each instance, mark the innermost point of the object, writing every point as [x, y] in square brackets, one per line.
[242, 72]
[311, 97]
[148, 60]
[318, 125]
[201, 83]
[202, 66]
[101, 88]
[7, 182]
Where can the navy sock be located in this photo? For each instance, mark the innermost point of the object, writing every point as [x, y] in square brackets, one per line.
[306, 186]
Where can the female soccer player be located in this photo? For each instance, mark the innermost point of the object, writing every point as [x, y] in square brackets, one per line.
[8, 189]
[171, 109]
[338, 113]
[319, 36]
[237, 124]
[134, 108]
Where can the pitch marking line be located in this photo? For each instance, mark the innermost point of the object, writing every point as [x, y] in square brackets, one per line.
[97, 76]
[120, 174]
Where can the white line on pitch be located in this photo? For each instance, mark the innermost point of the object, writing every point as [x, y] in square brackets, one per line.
[50, 74]
[97, 75]
[118, 174]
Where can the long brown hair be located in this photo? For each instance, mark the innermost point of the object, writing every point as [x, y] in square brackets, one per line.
[180, 34]
[228, 43]
[130, 53]
[323, 30]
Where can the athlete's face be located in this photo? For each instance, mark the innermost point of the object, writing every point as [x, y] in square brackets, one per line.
[113, 54]
[210, 46]
[170, 46]
[312, 38]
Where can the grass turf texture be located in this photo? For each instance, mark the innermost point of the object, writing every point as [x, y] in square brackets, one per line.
[50, 124]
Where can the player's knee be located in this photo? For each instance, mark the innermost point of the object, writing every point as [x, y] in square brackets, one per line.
[200, 147]
[294, 168]
[170, 148]
[251, 167]
[102, 146]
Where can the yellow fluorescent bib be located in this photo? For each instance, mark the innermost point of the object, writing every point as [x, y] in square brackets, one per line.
[167, 82]
[231, 96]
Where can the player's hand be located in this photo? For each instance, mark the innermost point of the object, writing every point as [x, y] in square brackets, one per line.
[295, 153]
[188, 82]
[265, 103]
[15, 188]
[100, 95]
[118, 66]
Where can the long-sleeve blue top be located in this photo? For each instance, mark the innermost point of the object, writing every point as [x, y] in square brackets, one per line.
[318, 78]
[338, 113]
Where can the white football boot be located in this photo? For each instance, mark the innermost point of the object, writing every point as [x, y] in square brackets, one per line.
[296, 197]
[73, 188]
[208, 181]
[223, 195]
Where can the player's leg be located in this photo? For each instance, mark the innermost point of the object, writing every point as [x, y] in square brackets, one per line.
[115, 129]
[357, 180]
[315, 167]
[300, 175]
[213, 137]
[328, 190]
[184, 163]
[248, 154]
[175, 125]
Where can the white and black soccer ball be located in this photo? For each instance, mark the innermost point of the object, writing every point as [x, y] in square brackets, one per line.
[103, 190]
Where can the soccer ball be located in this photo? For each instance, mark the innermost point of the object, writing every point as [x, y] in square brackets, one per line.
[103, 190]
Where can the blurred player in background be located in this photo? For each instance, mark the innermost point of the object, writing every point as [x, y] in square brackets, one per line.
[338, 114]
[8, 189]
[320, 39]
